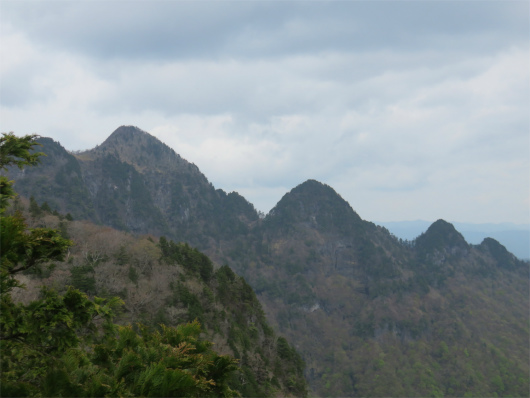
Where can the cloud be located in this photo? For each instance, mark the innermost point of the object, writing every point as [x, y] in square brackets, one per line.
[212, 29]
[407, 109]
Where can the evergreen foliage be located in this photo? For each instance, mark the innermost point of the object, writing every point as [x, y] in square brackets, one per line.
[248, 335]
[192, 259]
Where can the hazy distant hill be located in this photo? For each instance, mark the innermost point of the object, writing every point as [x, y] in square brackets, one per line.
[515, 237]
[372, 315]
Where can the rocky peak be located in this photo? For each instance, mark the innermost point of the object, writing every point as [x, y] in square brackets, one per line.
[504, 258]
[315, 204]
[125, 133]
[141, 150]
[441, 236]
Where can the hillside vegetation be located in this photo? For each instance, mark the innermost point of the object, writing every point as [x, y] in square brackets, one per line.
[370, 314]
[374, 316]
[164, 283]
[183, 328]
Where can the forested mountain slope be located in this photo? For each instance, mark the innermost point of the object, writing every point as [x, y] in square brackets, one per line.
[370, 314]
[162, 282]
[376, 317]
[55, 340]
[135, 183]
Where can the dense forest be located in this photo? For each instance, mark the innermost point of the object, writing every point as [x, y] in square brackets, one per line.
[368, 314]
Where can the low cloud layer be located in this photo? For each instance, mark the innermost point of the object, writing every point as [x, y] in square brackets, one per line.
[409, 110]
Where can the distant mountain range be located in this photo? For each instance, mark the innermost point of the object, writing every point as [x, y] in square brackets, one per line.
[515, 237]
[371, 314]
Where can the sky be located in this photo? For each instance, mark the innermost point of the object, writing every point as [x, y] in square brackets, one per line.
[408, 109]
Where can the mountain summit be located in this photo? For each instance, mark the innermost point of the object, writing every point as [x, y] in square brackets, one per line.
[315, 205]
[125, 133]
[136, 183]
[442, 236]
[142, 150]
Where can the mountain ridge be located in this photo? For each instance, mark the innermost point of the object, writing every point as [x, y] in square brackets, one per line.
[515, 237]
[153, 146]
[345, 291]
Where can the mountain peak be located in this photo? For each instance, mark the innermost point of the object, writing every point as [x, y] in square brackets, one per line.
[128, 130]
[504, 258]
[316, 204]
[140, 149]
[314, 186]
[441, 235]
[126, 134]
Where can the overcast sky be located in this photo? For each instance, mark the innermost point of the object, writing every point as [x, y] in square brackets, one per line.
[408, 109]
